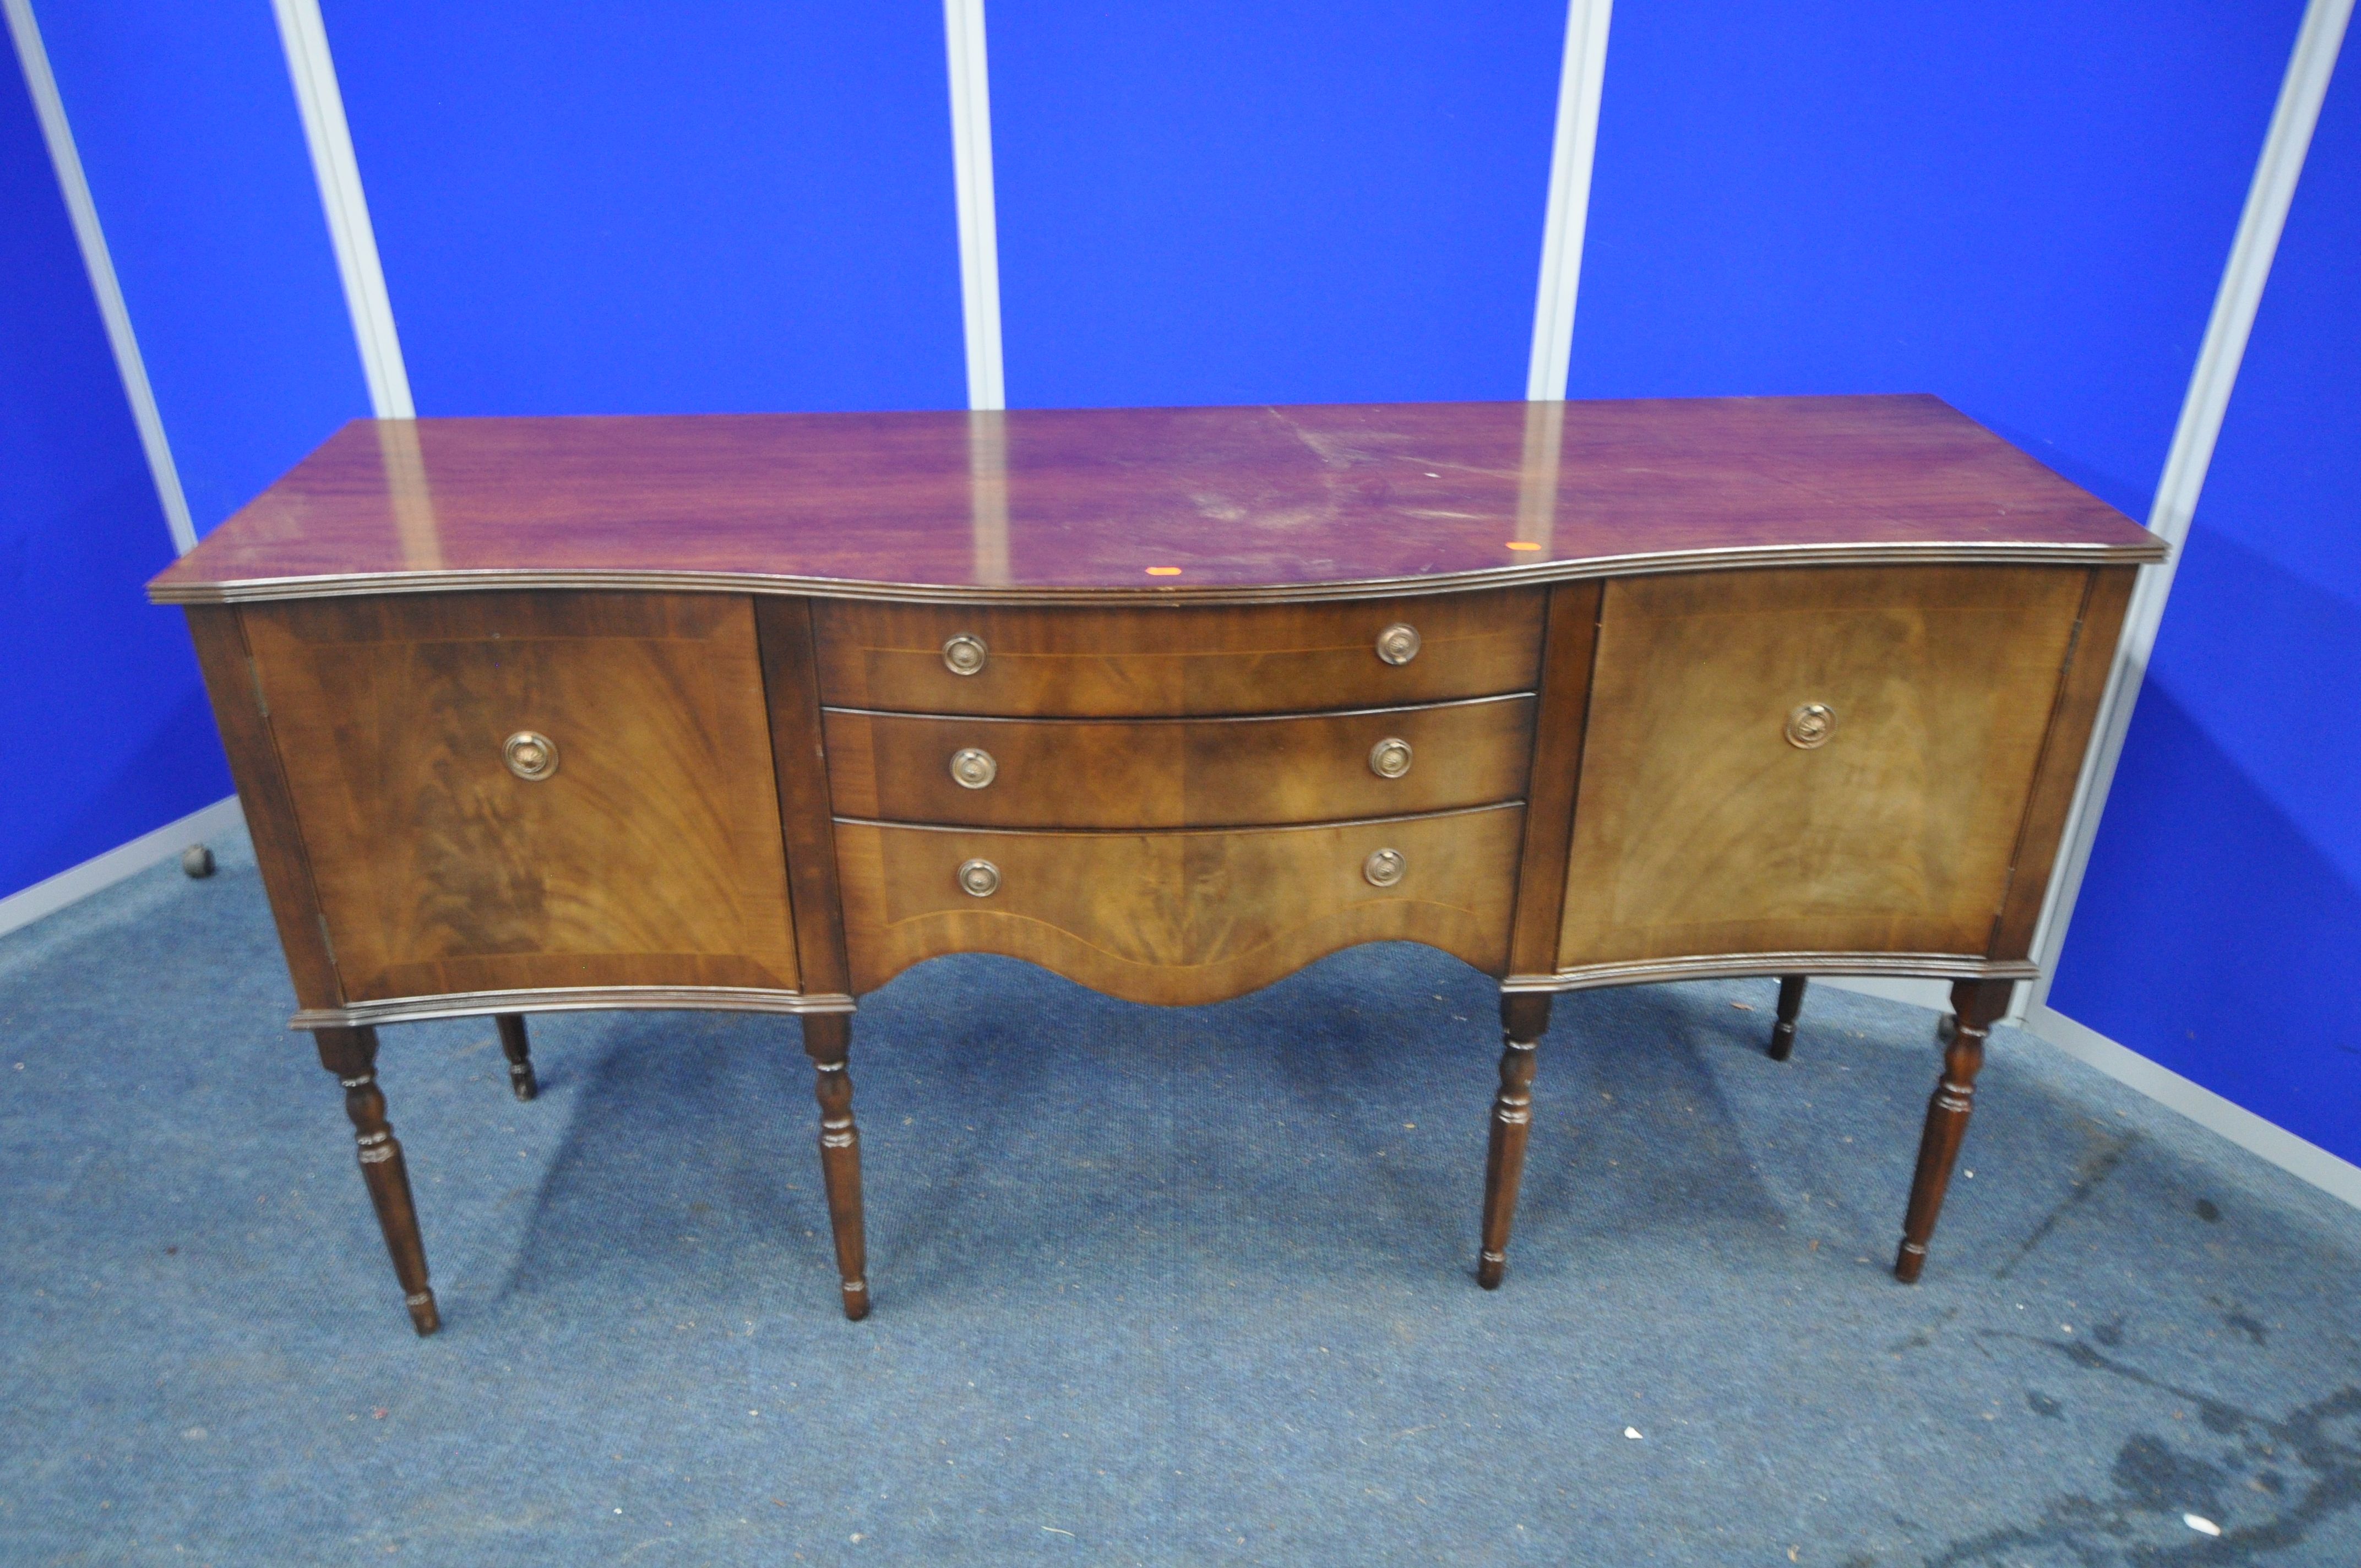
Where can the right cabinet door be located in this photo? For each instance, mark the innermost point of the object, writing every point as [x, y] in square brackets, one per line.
[1813, 760]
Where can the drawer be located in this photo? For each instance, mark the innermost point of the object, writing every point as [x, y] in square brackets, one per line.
[1179, 773]
[1162, 660]
[1178, 916]
[637, 843]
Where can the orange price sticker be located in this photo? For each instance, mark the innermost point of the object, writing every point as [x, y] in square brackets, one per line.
[1522, 544]
[1164, 571]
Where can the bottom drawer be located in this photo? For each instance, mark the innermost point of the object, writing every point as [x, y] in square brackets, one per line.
[1178, 916]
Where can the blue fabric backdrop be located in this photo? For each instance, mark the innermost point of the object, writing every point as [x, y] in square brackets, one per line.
[2020, 206]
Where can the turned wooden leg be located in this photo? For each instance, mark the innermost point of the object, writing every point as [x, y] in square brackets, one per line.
[1975, 1005]
[1523, 1018]
[351, 1055]
[828, 1037]
[514, 1045]
[1791, 1007]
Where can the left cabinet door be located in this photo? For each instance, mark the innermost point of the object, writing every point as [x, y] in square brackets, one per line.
[529, 791]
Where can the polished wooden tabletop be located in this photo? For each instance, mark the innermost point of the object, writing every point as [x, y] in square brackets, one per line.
[1202, 504]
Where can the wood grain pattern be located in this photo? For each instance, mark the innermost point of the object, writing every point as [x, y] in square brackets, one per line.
[1563, 718]
[269, 809]
[1178, 917]
[1699, 828]
[1179, 773]
[1079, 503]
[651, 856]
[806, 819]
[2062, 755]
[1145, 662]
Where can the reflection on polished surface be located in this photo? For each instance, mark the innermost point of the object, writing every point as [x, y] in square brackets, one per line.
[1254, 502]
[409, 496]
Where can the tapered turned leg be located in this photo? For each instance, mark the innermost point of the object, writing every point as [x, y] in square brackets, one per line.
[1523, 1019]
[828, 1038]
[519, 1054]
[351, 1055]
[1975, 1005]
[1791, 1007]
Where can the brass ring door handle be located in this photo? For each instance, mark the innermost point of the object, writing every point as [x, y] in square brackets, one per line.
[972, 767]
[1384, 868]
[964, 654]
[979, 879]
[530, 754]
[1810, 725]
[1390, 758]
[1397, 644]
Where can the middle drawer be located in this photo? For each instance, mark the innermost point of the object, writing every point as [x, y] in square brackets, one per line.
[1178, 772]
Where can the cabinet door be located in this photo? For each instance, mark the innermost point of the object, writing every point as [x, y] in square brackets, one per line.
[646, 853]
[1820, 760]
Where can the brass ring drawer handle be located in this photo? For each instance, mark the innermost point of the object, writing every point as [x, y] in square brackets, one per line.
[1811, 725]
[979, 879]
[1397, 644]
[972, 767]
[530, 754]
[1390, 758]
[963, 654]
[1384, 868]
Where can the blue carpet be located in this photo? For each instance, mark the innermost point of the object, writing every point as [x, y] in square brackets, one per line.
[1153, 1286]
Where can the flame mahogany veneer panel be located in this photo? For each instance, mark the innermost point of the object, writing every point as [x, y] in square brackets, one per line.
[1700, 829]
[651, 856]
[1178, 918]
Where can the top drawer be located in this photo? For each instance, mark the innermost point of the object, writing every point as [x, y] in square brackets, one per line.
[1162, 660]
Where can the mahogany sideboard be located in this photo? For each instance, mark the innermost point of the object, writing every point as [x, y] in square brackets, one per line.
[756, 712]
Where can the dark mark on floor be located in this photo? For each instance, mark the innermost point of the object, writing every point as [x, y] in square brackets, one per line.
[2140, 1526]
[2237, 1318]
[2094, 1169]
[2043, 1405]
[2207, 1212]
[1924, 1337]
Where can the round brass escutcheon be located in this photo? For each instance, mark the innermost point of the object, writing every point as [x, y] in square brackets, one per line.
[1384, 868]
[1811, 725]
[1390, 758]
[1397, 644]
[972, 767]
[530, 754]
[979, 879]
[963, 654]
